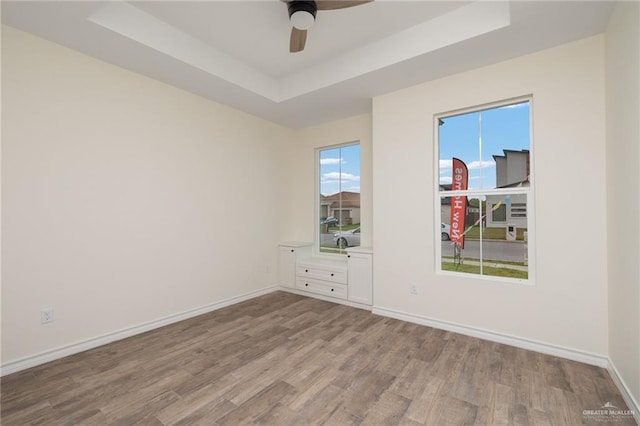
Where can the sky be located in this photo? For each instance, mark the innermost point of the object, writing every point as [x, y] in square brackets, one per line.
[340, 169]
[502, 128]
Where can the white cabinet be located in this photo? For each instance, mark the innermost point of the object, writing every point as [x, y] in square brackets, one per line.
[360, 271]
[289, 254]
[343, 278]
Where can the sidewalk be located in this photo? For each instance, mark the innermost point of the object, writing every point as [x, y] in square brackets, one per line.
[500, 240]
[490, 264]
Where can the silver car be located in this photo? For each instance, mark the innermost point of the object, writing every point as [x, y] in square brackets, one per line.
[347, 238]
[445, 232]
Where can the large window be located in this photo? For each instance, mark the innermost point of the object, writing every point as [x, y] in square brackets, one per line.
[484, 190]
[338, 198]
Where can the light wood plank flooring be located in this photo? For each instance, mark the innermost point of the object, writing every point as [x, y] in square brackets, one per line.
[284, 359]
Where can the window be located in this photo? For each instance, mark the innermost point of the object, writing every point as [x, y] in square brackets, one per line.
[518, 210]
[484, 190]
[498, 213]
[338, 198]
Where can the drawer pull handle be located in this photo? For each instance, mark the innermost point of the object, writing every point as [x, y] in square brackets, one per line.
[306, 284]
[292, 250]
[306, 270]
[349, 256]
[331, 274]
[331, 289]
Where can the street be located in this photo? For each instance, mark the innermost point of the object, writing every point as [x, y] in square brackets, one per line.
[510, 251]
[327, 240]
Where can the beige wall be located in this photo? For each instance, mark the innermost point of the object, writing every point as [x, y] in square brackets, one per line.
[125, 200]
[623, 190]
[567, 306]
[300, 217]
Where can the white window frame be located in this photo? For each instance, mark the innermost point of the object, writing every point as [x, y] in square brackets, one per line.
[530, 191]
[316, 232]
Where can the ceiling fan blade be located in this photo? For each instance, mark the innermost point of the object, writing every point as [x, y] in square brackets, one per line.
[298, 40]
[337, 4]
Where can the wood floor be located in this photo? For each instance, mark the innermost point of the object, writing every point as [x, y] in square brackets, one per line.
[283, 359]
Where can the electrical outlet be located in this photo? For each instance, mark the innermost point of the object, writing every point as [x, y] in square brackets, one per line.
[46, 315]
[413, 289]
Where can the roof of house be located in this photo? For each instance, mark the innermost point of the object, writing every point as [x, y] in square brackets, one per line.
[343, 199]
[508, 151]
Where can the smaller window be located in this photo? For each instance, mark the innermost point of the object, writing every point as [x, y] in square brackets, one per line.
[338, 210]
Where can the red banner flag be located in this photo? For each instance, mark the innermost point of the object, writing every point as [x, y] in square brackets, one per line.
[458, 203]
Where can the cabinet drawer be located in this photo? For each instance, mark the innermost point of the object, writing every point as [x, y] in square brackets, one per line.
[338, 291]
[311, 271]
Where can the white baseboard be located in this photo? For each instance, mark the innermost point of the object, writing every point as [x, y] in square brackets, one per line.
[94, 342]
[519, 342]
[624, 390]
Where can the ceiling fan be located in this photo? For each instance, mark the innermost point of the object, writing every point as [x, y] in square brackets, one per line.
[302, 15]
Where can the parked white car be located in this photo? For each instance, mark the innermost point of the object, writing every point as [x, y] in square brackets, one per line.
[347, 238]
[445, 232]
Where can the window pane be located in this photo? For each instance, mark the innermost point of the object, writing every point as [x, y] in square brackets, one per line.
[458, 138]
[504, 251]
[493, 144]
[488, 248]
[461, 255]
[339, 199]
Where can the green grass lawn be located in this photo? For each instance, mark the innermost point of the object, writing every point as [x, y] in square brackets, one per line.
[487, 270]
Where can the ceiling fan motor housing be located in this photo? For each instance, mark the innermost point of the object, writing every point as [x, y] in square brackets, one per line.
[305, 13]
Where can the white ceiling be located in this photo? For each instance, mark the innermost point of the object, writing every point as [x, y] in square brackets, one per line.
[236, 52]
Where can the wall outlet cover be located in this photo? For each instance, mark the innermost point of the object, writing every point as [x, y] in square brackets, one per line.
[46, 315]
